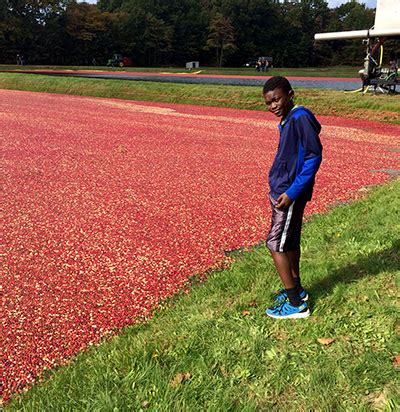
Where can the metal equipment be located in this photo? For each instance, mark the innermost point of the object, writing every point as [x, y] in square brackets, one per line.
[387, 25]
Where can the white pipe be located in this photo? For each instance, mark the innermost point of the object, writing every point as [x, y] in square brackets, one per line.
[358, 34]
[355, 34]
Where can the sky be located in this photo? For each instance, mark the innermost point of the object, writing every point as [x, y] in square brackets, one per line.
[335, 3]
[332, 3]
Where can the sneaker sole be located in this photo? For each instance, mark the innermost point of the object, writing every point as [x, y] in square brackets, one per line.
[300, 315]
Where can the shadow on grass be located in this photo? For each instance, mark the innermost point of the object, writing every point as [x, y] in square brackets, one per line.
[364, 266]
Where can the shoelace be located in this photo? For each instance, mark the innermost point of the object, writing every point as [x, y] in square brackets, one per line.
[280, 307]
[280, 295]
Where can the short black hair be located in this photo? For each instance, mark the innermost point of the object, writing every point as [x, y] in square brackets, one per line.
[277, 82]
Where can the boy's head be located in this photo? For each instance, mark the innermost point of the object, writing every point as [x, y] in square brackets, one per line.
[278, 95]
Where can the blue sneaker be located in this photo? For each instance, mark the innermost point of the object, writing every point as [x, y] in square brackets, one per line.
[287, 311]
[282, 296]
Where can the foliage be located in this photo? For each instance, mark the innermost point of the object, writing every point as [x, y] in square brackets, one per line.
[84, 21]
[350, 16]
[221, 37]
[156, 32]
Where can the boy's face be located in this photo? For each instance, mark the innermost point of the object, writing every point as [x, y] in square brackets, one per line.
[279, 102]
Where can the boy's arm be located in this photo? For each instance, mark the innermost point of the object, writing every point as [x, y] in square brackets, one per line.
[311, 146]
[305, 177]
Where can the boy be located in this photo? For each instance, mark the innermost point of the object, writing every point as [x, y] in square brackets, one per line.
[291, 181]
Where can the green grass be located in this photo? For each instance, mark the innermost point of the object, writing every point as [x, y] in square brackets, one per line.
[334, 71]
[382, 108]
[202, 352]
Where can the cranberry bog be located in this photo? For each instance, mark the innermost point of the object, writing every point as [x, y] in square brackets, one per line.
[110, 207]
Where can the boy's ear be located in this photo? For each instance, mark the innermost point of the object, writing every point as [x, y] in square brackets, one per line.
[291, 94]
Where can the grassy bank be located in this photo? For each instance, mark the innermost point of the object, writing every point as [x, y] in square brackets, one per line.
[381, 108]
[335, 71]
[214, 349]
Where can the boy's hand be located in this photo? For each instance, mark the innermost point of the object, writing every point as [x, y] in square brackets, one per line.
[283, 201]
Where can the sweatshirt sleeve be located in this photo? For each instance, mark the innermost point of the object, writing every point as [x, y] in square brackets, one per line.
[309, 156]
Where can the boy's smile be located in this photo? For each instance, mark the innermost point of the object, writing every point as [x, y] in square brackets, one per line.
[279, 102]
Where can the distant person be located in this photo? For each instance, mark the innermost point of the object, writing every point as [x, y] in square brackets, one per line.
[263, 65]
[94, 61]
[266, 66]
[258, 65]
[18, 60]
[291, 181]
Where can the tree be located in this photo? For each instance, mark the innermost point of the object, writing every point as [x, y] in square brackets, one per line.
[3, 19]
[301, 21]
[350, 16]
[84, 21]
[182, 29]
[156, 39]
[23, 23]
[189, 22]
[109, 5]
[221, 37]
[161, 32]
[257, 27]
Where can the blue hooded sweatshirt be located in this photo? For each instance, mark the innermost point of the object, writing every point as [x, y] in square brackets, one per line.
[298, 157]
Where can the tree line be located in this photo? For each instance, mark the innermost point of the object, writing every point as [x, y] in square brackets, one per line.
[172, 32]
